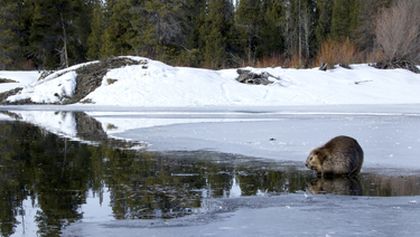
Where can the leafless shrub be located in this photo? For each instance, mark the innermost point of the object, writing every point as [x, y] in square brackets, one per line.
[397, 34]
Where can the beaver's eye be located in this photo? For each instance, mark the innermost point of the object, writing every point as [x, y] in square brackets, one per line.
[311, 158]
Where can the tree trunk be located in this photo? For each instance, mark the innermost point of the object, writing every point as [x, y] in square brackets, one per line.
[63, 53]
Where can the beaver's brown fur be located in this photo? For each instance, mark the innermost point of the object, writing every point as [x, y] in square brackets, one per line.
[342, 155]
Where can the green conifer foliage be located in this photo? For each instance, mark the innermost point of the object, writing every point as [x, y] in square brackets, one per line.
[323, 27]
[94, 43]
[9, 34]
[344, 18]
[249, 22]
[215, 33]
[116, 36]
[272, 40]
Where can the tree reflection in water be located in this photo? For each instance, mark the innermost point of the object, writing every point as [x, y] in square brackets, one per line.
[57, 175]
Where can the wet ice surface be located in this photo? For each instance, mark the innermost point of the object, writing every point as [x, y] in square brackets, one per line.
[388, 140]
[288, 215]
[253, 181]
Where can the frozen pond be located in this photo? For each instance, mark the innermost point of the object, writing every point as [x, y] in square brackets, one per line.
[204, 173]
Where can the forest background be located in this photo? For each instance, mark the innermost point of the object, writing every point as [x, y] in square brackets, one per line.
[51, 34]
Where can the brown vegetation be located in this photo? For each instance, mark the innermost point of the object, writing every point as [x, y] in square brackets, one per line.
[398, 35]
[335, 52]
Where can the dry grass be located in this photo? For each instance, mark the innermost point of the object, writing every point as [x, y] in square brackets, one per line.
[295, 62]
[335, 52]
[272, 61]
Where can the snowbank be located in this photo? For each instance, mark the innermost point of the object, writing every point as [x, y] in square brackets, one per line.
[22, 78]
[48, 91]
[171, 86]
[156, 84]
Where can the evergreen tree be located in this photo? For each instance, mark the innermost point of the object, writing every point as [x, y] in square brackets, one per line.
[249, 23]
[94, 42]
[42, 45]
[79, 27]
[323, 27]
[116, 37]
[56, 38]
[165, 27]
[344, 18]
[272, 39]
[215, 33]
[194, 11]
[12, 35]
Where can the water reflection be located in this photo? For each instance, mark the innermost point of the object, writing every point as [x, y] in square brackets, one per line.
[57, 176]
[337, 185]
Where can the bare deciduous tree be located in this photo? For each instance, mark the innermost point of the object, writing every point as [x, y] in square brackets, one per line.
[397, 33]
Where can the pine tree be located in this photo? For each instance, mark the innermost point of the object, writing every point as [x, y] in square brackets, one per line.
[272, 40]
[11, 33]
[116, 38]
[323, 27]
[344, 18]
[56, 38]
[94, 42]
[79, 27]
[167, 27]
[194, 12]
[249, 23]
[42, 46]
[215, 33]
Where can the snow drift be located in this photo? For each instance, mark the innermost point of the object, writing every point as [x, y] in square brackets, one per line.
[155, 84]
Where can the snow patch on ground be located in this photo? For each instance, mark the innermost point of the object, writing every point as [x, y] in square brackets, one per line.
[48, 90]
[22, 78]
[165, 86]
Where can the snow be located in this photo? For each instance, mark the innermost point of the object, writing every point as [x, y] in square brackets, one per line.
[159, 85]
[179, 86]
[48, 90]
[22, 78]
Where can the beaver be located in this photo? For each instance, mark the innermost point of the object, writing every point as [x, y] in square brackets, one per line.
[342, 155]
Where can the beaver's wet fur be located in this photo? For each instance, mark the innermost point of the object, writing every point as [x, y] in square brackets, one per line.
[342, 155]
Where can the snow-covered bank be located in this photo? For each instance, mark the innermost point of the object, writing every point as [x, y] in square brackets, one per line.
[156, 84]
[21, 78]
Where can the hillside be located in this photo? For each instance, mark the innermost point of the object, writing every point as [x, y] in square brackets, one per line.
[142, 82]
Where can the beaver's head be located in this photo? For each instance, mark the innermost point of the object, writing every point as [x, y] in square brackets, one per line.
[315, 160]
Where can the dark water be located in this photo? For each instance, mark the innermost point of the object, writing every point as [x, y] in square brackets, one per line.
[58, 175]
